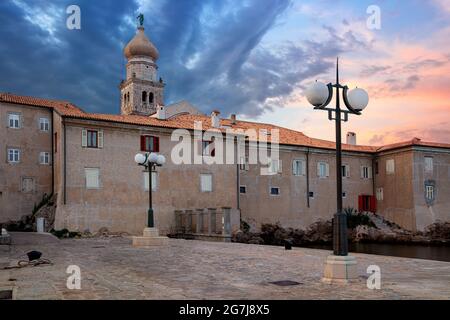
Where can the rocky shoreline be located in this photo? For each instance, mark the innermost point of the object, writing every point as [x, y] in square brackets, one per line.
[374, 230]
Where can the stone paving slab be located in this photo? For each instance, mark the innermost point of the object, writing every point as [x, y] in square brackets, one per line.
[112, 269]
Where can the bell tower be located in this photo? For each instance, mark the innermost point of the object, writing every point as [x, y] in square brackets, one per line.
[142, 91]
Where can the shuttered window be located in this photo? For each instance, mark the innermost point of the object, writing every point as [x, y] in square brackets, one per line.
[28, 185]
[366, 172]
[92, 139]
[149, 144]
[299, 167]
[390, 166]
[346, 171]
[323, 170]
[206, 183]
[92, 178]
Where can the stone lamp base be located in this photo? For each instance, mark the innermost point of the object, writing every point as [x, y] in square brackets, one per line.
[150, 239]
[340, 269]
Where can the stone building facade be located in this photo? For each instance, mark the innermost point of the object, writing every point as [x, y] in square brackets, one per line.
[87, 160]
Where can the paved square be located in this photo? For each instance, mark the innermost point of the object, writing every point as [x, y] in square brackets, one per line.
[112, 269]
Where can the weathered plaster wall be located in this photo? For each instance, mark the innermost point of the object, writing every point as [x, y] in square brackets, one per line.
[121, 203]
[290, 208]
[31, 141]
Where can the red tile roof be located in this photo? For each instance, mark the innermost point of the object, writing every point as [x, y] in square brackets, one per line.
[287, 136]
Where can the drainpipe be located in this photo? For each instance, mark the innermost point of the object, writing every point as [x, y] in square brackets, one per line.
[373, 175]
[53, 152]
[307, 177]
[65, 163]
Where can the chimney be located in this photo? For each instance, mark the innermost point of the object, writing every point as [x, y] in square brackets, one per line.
[161, 112]
[215, 120]
[351, 138]
[233, 119]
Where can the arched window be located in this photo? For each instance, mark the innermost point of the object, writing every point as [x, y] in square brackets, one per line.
[128, 97]
[144, 96]
[125, 98]
[151, 97]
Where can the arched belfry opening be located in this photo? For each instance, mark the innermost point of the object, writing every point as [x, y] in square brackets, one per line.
[141, 55]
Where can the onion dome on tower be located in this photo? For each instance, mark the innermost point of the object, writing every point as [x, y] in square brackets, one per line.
[140, 45]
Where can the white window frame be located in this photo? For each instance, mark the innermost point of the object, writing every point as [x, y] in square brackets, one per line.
[366, 172]
[155, 180]
[346, 174]
[429, 193]
[275, 166]
[44, 158]
[13, 155]
[203, 187]
[380, 194]
[96, 185]
[15, 121]
[429, 164]
[299, 167]
[44, 124]
[274, 195]
[390, 166]
[323, 170]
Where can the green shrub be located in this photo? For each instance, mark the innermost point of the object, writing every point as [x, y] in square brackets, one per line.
[355, 218]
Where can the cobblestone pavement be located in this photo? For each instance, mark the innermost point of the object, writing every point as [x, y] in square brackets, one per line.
[112, 269]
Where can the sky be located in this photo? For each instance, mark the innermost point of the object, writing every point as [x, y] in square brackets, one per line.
[250, 57]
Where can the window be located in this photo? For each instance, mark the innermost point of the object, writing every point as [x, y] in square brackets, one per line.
[243, 164]
[149, 144]
[243, 189]
[154, 181]
[299, 167]
[44, 124]
[429, 164]
[151, 97]
[344, 194]
[208, 149]
[206, 183]
[44, 158]
[346, 171]
[92, 139]
[429, 193]
[311, 195]
[275, 166]
[323, 170]
[92, 178]
[14, 120]
[275, 191]
[144, 96]
[13, 155]
[27, 185]
[380, 194]
[366, 172]
[390, 166]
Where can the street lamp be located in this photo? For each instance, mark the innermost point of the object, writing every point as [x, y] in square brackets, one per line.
[356, 100]
[150, 161]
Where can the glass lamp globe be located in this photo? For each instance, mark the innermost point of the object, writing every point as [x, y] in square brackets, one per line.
[153, 157]
[317, 93]
[161, 160]
[358, 99]
[139, 158]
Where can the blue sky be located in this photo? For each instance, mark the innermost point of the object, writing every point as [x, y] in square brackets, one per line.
[251, 57]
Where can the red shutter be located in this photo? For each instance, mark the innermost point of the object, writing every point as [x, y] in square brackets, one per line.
[361, 203]
[143, 146]
[156, 144]
[373, 204]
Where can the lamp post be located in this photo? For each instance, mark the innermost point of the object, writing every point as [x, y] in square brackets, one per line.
[150, 161]
[356, 100]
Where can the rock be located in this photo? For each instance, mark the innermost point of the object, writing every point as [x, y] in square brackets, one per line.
[256, 240]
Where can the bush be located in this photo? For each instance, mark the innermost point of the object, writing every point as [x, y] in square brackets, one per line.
[355, 218]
